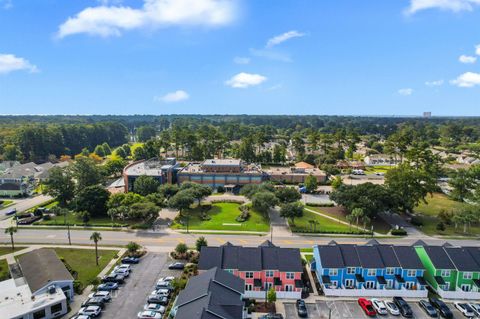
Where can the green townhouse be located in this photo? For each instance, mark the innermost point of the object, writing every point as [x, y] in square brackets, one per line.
[454, 272]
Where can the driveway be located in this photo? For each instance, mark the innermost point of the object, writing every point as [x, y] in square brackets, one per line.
[132, 296]
[24, 204]
[316, 199]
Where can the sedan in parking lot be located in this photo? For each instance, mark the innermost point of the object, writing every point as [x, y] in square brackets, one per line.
[105, 295]
[80, 317]
[476, 308]
[465, 309]
[272, 316]
[149, 315]
[154, 307]
[95, 301]
[121, 271]
[428, 308]
[441, 307]
[404, 307]
[130, 260]
[108, 286]
[301, 308]
[119, 279]
[392, 308]
[161, 300]
[367, 307]
[176, 265]
[379, 306]
[92, 311]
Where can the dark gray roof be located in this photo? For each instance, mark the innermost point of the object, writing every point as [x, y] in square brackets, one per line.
[331, 256]
[211, 295]
[370, 257]
[439, 257]
[251, 258]
[267, 243]
[388, 256]
[419, 243]
[462, 259]
[372, 242]
[408, 257]
[350, 256]
[10, 186]
[42, 266]
[475, 253]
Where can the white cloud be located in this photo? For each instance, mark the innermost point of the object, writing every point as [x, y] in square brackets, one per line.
[467, 80]
[434, 83]
[477, 49]
[467, 59]
[244, 80]
[405, 92]
[113, 20]
[283, 37]
[10, 63]
[241, 60]
[447, 5]
[6, 4]
[271, 55]
[172, 97]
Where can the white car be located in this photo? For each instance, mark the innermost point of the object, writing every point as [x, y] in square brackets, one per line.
[105, 295]
[476, 308]
[168, 278]
[161, 292]
[121, 271]
[154, 307]
[149, 315]
[163, 284]
[392, 308]
[379, 306]
[465, 309]
[124, 266]
[92, 311]
[80, 317]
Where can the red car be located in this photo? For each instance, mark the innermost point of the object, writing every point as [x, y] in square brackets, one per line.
[367, 307]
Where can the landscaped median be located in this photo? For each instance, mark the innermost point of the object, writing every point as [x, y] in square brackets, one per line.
[223, 217]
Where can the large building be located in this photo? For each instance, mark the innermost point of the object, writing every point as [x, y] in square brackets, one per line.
[41, 287]
[222, 172]
[295, 174]
[164, 171]
[262, 268]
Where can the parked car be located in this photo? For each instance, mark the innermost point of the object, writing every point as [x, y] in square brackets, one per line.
[163, 284]
[301, 308]
[11, 212]
[367, 307]
[176, 265]
[272, 316]
[476, 308]
[121, 271]
[117, 278]
[392, 308]
[130, 260]
[404, 307]
[95, 301]
[149, 315]
[124, 266]
[107, 286]
[441, 307]
[428, 308]
[154, 307]
[379, 306]
[161, 300]
[161, 292]
[105, 295]
[81, 317]
[168, 278]
[92, 311]
[28, 220]
[465, 309]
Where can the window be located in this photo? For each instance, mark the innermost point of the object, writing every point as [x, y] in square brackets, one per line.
[371, 272]
[411, 273]
[351, 270]
[467, 275]
[389, 283]
[466, 287]
[409, 284]
[349, 283]
[248, 287]
[268, 285]
[288, 288]
[269, 273]
[249, 274]
[56, 308]
[39, 314]
[445, 273]
[290, 275]
[370, 285]
[390, 271]
[333, 272]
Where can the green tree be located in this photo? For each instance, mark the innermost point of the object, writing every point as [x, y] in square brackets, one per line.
[84, 216]
[10, 231]
[181, 249]
[132, 248]
[92, 199]
[106, 149]
[263, 201]
[198, 191]
[292, 211]
[372, 198]
[144, 133]
[357, 214]
[139, 153]
[168, 190]
[201, 241]
[271, 295]
[145, 185]
[182, 201]
[313, 223]
[99, 151]
[120, 152]
[96, 237]
[60, 185]
[114, 167]
[12, 153]
[144, 210]
[287, 194]
[337, 182]
[86, 173]
[311, 183]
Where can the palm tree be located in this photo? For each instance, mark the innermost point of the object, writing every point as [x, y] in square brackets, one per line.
[357, 213]
[11, 230]
[96, 237]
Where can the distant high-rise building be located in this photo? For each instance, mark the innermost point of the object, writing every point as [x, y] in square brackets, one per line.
[427, 114]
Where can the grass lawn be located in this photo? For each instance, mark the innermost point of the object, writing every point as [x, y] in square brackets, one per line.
[325, 225]
[104, 221]
[6, 203]
[4, 272]
[308, 257]
[83, 261]
[378, 169]
[223, 218]
[8, 250]
[428, 213]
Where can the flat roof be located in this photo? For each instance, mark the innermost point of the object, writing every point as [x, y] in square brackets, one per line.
[281, 170]
[152, 167]
[222, 162]
[17, 301]
[197, 168]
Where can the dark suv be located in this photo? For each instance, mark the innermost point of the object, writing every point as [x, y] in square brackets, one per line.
[442, 308]
[403, 306]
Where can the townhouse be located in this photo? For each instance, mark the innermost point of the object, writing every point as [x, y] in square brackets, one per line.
[369, 270]
[454, 272]
[260, 267]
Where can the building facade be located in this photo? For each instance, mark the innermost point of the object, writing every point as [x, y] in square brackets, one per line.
[164, 171]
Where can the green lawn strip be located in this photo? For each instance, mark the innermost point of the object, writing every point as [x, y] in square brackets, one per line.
[378, 169]
[4, 272]
[436, 203]
[223, 218]
[430, 224]
[6, 203]
[325, 224]
[103, 221]
[47, 204]
[8, 250]
[83, 261]
[306, 250]
[308, 257]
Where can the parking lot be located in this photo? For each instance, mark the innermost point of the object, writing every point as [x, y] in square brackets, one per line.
[130, 298]
[351, 310]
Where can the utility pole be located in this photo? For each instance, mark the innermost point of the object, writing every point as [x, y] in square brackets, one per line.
[271, 234]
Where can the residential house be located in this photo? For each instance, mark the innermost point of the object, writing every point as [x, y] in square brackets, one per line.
[369, 270]
[454, 272]
[381, 160]
[260, 267]
[213, 294]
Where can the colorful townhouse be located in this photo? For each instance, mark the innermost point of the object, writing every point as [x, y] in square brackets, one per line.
[372, 270]
[260, 267]
[454, 272]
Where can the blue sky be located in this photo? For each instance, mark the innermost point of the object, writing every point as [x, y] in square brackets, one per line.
[371, 57]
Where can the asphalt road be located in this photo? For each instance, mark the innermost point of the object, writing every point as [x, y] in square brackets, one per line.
[24, 204]
[168, 238]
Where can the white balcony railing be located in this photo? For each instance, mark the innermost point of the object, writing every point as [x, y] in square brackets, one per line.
[362, 292]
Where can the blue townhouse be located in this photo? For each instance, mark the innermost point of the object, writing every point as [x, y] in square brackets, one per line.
[369, 270]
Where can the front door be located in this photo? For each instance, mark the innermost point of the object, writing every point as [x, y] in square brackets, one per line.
[349, 283]
[466, 287]
[370, 284]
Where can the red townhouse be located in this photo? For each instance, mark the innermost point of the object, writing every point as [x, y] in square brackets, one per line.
[260, 267]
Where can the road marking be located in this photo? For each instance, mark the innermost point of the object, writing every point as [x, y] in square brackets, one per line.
[287, 241]
[221, 241]
[51, 236]
[243, 241]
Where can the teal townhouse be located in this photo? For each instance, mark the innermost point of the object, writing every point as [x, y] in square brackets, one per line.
[370, 270]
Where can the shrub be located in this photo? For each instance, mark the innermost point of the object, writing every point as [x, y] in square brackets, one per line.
[440, 226]
[47, 217]
[399, 232]
[416, 221]
[221, 189]
[77, 287]
[320, 204]
[244, 215]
